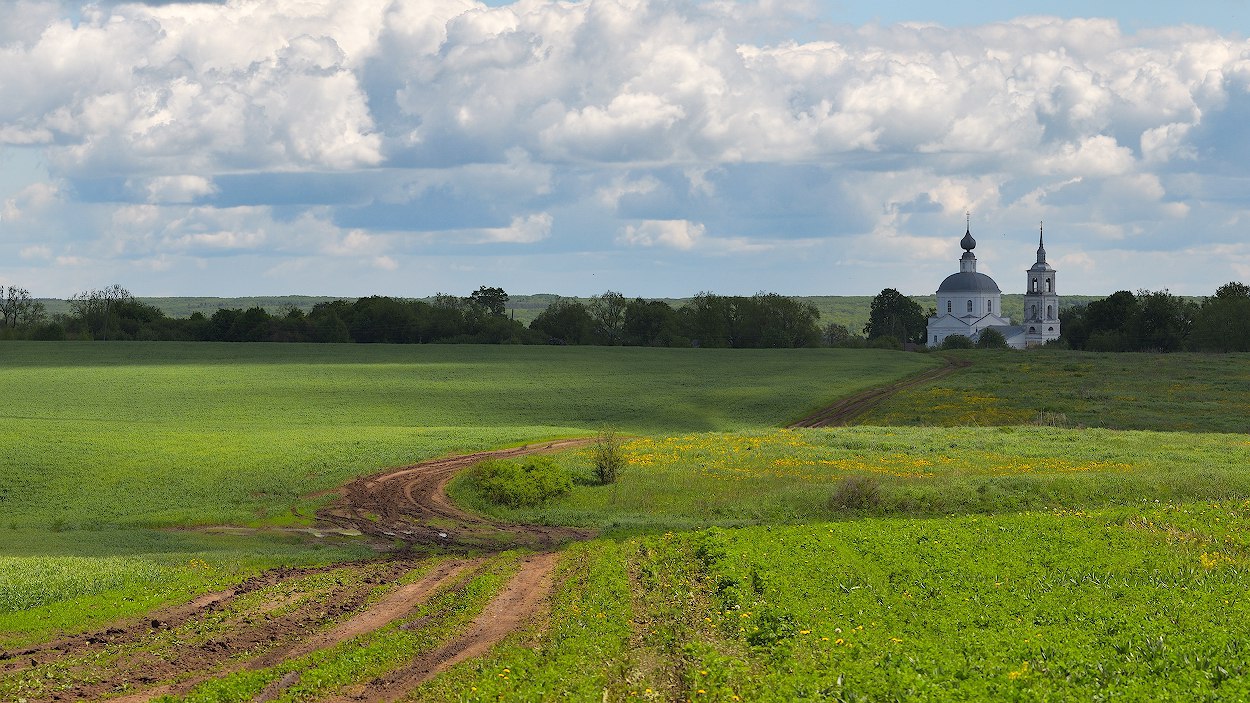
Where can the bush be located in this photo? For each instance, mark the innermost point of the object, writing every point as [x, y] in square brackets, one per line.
[957, 341]
[51, 332]
[991, 339]
[856, 492]
[608, 456]
[522, 484]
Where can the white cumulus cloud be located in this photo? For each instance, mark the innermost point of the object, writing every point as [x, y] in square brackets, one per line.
[675, 234]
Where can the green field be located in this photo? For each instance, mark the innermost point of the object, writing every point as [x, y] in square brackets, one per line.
[1185, 392]
[107, 443]
[1040, 526]
[789, 476]
[1142, 603]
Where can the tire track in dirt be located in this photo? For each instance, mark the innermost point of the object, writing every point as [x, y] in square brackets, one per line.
[515, 605]
[849, 408]
[408, 504]
[393, 606]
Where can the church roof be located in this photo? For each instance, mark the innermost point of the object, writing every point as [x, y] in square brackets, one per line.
[968, 282]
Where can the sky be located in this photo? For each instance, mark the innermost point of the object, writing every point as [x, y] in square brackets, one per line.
[652, 147]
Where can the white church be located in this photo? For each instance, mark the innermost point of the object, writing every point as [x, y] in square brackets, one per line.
[970, 302]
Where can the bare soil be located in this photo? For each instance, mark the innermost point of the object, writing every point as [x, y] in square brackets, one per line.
[135, 662]
[410, 504]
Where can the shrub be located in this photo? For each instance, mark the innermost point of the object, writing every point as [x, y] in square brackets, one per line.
[957, 341]
[991, 339]
[856, 492]
[608, 456]
[522, 484]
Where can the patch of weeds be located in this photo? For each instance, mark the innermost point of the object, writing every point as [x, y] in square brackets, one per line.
[856, 492]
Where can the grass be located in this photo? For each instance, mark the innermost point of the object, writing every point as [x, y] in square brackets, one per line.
[154, 435]
[787, 476]
[106, 445]
[81, 579]
[1182, 392]
[1082, 536]
[1133, 603]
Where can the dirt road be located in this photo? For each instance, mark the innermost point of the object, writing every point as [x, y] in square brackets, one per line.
[410, 504]
[138, 661]
[849, 408]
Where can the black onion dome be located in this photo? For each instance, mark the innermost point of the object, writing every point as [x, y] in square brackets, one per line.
[968, 242]
[968, 282]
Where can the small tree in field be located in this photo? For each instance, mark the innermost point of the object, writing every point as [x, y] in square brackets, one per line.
[609, 457]
[991, 339]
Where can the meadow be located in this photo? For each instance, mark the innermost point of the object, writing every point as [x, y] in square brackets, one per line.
[1178, 392]
[105, 445]
[790, 476]
[1081, 533]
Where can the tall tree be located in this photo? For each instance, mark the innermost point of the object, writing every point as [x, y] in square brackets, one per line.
[608, 313]
[893, 314]
[1222, 323]
[650, 323]
[18, 308]
[93, 309]
[565, 322]
[492, 300]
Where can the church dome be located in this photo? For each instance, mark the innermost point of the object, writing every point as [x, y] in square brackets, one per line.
[968, 282]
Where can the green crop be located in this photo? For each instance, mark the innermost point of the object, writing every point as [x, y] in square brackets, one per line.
[1133, 603]
[782, 476]
[105, 445]
[1176, 392]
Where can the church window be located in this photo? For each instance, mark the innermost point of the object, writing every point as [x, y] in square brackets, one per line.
[1034, 285]
[1050, 329]
[1032, 330]
[948, 306]
[1050, 312]
[1034, 316]
[969, 306]
[1048, 285]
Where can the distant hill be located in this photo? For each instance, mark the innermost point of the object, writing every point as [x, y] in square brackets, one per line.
[848, 310]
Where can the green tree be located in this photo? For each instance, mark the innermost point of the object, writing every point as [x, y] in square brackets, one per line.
[708, 320]
[608, 313]
[957, 341]
[565, 322]
[893, 314]
[492, 300]
[93, 310]
[991, 339]
[650, 323]
[835, 335]
[1162, 322]
[1222, 322]
[18, 309]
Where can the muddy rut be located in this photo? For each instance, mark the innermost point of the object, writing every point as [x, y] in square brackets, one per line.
[162, 654]
[848, 409]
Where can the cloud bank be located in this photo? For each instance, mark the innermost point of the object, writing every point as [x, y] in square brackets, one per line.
[661, 147]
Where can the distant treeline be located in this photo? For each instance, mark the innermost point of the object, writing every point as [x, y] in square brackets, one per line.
[1147, 321]
[762, 320]
[1162, 322]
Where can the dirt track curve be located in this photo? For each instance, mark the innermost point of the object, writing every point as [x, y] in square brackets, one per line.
[410, 504]
[145, 659]
[851, 407]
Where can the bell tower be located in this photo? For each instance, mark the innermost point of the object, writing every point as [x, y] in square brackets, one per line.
[1041, 299]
